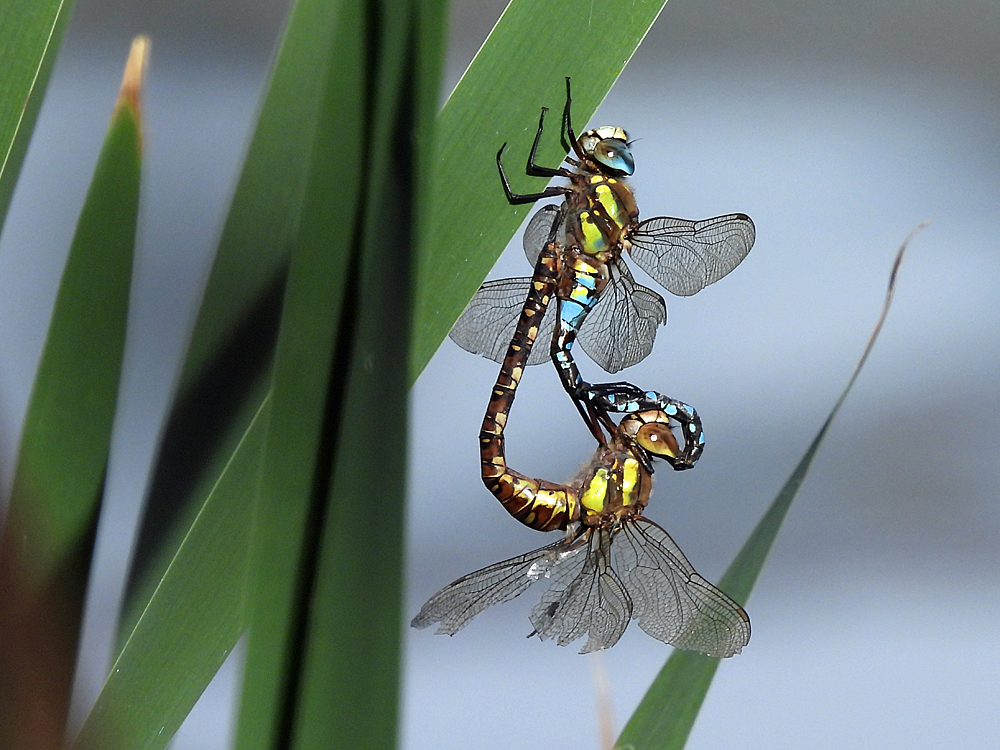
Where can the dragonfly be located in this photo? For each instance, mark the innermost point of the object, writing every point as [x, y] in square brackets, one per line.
[598, 300]
[611, 565]
[543, 505]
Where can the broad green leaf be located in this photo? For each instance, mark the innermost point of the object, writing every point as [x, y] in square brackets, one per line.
[30, 33]
[664, 717]
[521, 68]
[48, 537]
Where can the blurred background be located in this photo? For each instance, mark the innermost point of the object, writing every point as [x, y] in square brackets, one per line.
[837, 128]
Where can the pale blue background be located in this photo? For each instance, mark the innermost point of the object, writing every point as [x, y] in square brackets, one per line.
[838, 128]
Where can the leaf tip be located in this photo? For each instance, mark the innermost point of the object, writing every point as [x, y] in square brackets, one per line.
[135, 67]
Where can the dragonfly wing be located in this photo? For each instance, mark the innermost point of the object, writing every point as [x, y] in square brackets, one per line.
[586, 598]
[672, 602]
[620, 330]
[686, 256]
[545, 226]
[487, 325]
[457, 603]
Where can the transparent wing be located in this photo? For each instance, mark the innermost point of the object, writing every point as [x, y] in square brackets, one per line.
[586, 598]
[686, 256]
[457, 603]
[620, 330]
[487, 325]
[547, 224]
[671, 601]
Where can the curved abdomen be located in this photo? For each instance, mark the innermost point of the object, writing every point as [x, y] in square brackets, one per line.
[536, 503]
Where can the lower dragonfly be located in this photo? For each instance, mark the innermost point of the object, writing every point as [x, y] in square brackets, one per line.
[599, 303]
[612, 564]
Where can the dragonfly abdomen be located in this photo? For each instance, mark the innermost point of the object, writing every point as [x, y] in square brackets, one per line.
[539, 505]
[577, 296]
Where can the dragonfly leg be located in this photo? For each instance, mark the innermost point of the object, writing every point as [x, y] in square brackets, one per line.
[537, 170]
[596, 414]
[594, 419]
[514, 199]
[566, 134]
[533, 169]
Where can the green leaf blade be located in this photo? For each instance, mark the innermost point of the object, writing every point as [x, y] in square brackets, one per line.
[350, 679]
[47, 541]
[668, 710]
[30, 34]
[308, 353]
[190, 625]
[227, 368]
[68, 424]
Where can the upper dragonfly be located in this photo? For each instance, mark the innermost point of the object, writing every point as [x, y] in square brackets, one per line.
[599, 302]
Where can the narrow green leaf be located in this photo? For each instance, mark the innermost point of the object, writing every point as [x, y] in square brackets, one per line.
[228, 363]
[350, 683]
[311, 347]
[30, 34]
[190, 625]
[664, 717]
[520, 68]
[47, 541]
[193, 615]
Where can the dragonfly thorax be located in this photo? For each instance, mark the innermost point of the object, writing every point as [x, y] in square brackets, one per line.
[602, 210]
[616, 486]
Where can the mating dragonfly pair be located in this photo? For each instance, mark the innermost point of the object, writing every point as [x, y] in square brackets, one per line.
[612, 564]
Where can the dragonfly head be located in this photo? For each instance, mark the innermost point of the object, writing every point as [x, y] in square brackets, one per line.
[651, 431]
[608, 148]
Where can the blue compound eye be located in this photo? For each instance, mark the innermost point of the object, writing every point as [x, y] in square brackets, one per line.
[615, 155]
